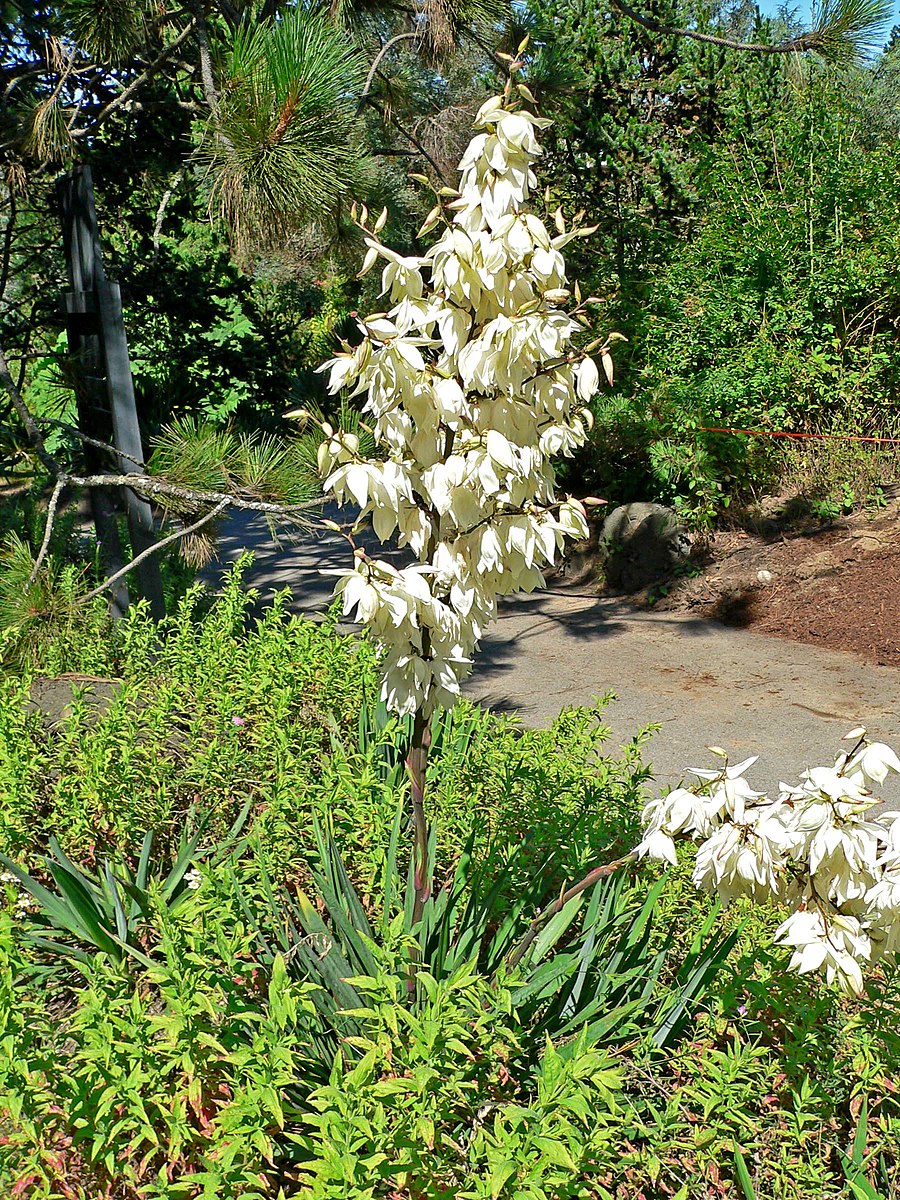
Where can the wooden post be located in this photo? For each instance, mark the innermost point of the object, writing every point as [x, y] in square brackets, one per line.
[105, 395]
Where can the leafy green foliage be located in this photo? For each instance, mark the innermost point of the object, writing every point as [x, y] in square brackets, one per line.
[104, 911]
[746, 217]
[234, 1054]
[153, 1088]
[589, 967]
[435, 1103]
[280, 710]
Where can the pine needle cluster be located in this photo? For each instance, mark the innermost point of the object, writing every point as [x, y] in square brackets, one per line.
[286, 138]
[44, 612]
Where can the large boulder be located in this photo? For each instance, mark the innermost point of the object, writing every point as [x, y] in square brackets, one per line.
[641, 544]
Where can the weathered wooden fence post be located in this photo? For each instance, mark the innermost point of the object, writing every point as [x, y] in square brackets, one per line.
[105, 389]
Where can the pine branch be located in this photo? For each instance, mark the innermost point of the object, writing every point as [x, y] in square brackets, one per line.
[819, 40]
[140, 483]
[48, 530]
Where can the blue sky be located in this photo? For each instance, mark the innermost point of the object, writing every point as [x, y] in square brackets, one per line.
[770, 9]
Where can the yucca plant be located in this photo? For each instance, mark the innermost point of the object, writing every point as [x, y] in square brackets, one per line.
[587, 965]
[102, 911]
[580, 957]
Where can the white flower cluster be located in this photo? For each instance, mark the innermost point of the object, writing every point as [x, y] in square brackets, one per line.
[471, 384]
[24, 902]
[820, 848]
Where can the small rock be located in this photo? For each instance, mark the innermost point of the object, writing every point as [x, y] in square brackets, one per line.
[764, 576]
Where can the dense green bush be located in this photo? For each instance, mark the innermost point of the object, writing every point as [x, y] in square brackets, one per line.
[747, 215]
[208, 712]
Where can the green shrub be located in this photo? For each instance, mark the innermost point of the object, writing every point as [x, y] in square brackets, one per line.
[166, 1086]
[216, 709]
[203, 714]
[437, 1108]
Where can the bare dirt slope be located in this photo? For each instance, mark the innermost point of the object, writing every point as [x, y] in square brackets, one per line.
[834, 585]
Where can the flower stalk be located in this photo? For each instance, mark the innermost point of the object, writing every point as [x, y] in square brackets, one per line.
[475, 378]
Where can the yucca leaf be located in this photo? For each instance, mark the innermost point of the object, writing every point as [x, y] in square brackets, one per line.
[60, 948]
[616, 1024]
[743, 1175]
[186, 856]
[555, 928]
[690, 992]
[326, 960]
[116, 901]
[84, 909]
[56, 910]
[858, 1149]
[390, 872]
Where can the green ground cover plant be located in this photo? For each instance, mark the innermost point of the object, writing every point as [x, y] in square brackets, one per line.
[210, 712]
[204, 1064]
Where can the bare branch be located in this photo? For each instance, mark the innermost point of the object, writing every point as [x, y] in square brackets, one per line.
[814, 40]
[409, 136]
[388, 45]
[149, 485]
[163, 205]
[89, 441]
[206, 73]
[123, 97]
[48, 530]
[154, 549]
[6, 254]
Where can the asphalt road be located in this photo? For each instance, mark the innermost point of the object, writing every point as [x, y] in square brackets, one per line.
[704, 683]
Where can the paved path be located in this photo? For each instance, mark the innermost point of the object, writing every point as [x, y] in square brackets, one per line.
[704, 683]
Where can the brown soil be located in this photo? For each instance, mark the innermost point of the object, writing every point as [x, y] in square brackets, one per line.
[834, 585]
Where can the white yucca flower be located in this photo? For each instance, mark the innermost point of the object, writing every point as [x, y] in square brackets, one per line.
[835, 943]
[817, 848]
[470, 383]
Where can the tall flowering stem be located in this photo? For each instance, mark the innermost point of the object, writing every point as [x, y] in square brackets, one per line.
[471, 383]
[416, 766]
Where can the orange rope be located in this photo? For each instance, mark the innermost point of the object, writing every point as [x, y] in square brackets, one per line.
[823, 437]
